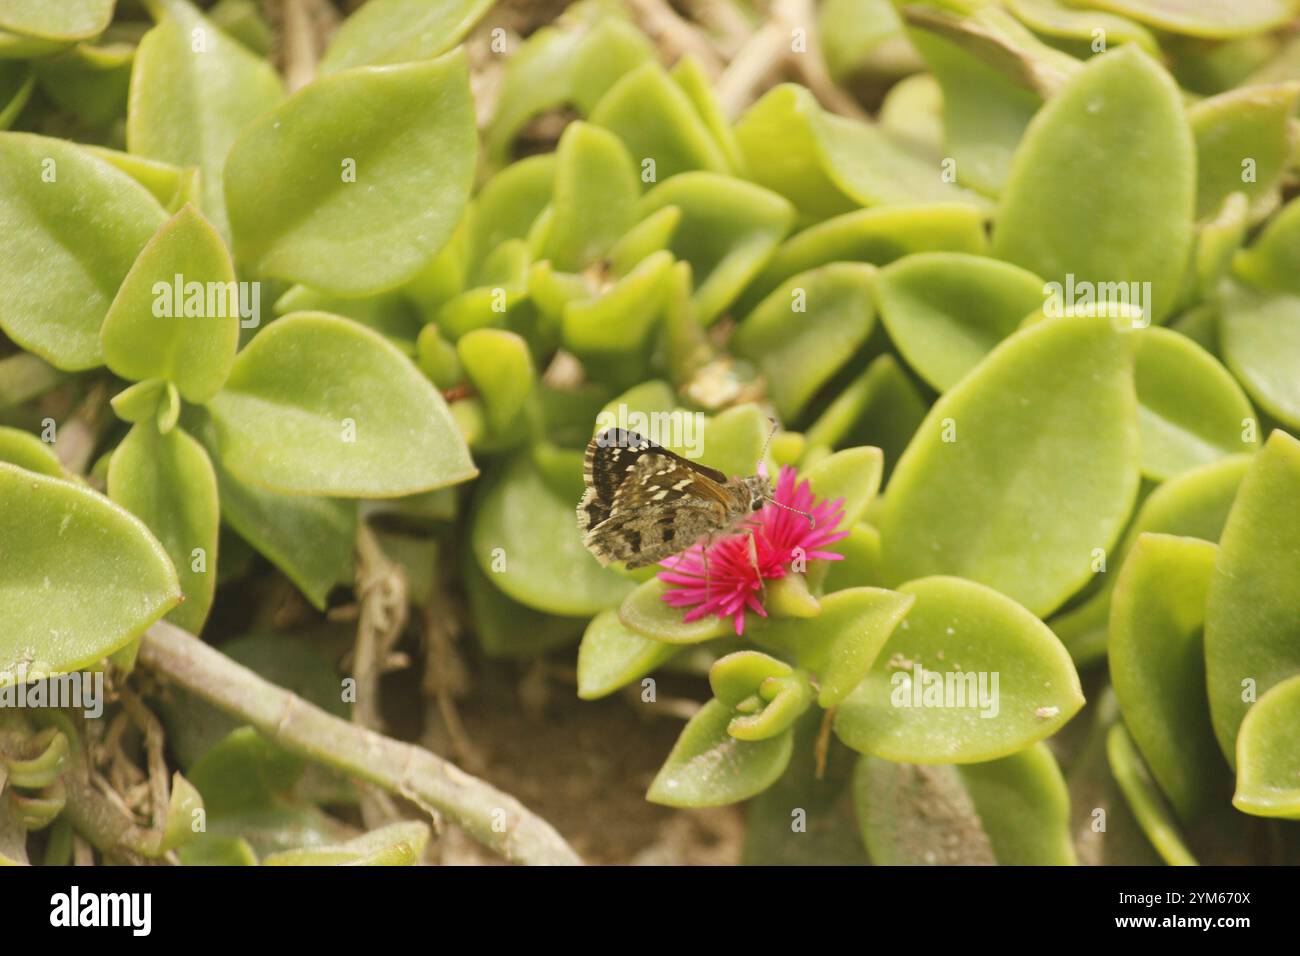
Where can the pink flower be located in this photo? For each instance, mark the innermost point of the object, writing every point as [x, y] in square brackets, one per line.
[736, 569]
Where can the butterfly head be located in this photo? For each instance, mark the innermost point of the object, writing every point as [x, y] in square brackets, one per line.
[759, 490]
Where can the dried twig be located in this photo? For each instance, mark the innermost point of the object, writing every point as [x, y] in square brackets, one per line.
[675, 36]
[495, 819]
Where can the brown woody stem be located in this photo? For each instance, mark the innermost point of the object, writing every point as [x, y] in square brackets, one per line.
[495, 819]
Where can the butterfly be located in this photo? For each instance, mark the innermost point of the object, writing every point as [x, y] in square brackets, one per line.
[644, 503]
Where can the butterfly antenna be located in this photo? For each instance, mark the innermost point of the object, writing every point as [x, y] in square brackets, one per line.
[762, 466]
[812, 522]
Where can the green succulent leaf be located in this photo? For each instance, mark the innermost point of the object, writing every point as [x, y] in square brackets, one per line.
[930, 696]
[397, 844]
[310, 539]
[882, 406]
[25, 450]
[708, 767]
[61, 268]
[612, 656]
[168, 483]
[399, 31]
[985, 112]
[17, 80]
[1259, 333]
[67, 20]
[1157, 666]
[176, 315]
[1191, 411]
[82, 577]
[525, 538]
[657, 121]
[499, 366]
[645, 612]
[946, 310]
[1134, 223]
[358, 179]
[595, 196]
[878, 235]
[193, 89]
[827, 164]
[1202, 18]
[807, 329]
[508, 629]
[1014, 811]
[1244, 131]
[728, 231]
[737, 676]
[843, 642]
[321, 405]
[1268, 761]
[1144, 798]
[1252, 617]
[980, 471]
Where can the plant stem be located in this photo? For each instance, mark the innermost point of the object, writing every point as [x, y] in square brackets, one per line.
[495, 819]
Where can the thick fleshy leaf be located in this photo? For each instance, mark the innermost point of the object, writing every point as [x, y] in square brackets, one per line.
[1014, 811]
[818, 796]
[310, 539]
[168, 483]
[504, 628]
[978, 491]
[1271, 261]
[1194, 504]
[594, 197]
[25, 450]
[612, 656]
[609, 331]
[806, 330]
[968, 676]
[399, 31]
[645, 612]
[1259, 333]
[184, 332]
[1056, 18]
[81, 577]
[878, 235]
[358, 179]
[525, 538]
[985, 112]
[1268, 755]
[993, 37]
[17, 80]
[193, 89]
[728, 231]
[501, 370]
[1214, 19]
[709, 768]
[61, 268]
[1144, 798]
[881, 407]
[509, 202]
[852, 474]
[1157, 666]
[946, 310]
[397, 844]
[1118, 125]
[656, 121]
[827, 164]
[843, 642]
[1191, 411]
[1244, 139]
[66, 20]
[320, 405]
[1252, 618]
